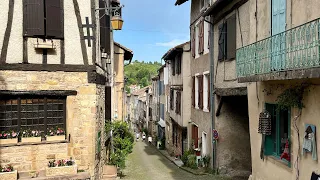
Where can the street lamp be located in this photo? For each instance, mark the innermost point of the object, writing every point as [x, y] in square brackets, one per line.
[116, 22]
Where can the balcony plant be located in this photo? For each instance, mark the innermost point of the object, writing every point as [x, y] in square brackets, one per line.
[30, 136]
[55, 134]
[7, 172]
[8, 137]
[61, 167]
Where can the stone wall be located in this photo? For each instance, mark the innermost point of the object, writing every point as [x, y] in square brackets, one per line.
[81, 118]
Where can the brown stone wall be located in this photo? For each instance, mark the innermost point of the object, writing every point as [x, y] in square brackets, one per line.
[82, 121]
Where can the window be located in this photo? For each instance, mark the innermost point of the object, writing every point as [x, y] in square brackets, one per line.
[227, 39]
[196, 92]
[200, 39]
[178, 63]
[206, 92]
[280, 126]
[43, 18]
[193, 92]
[200, 91]
[22, 114]
[178, 102]
[202, 4]
[171, 99]
[173, 67]
[162, 111]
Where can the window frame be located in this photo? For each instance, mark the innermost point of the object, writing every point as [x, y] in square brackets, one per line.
[225, 34]
[269, 139]
[45, 98]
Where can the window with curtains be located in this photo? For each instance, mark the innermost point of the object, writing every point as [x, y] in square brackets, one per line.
[41, 115]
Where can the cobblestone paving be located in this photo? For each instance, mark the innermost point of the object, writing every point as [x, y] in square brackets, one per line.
[146, 163]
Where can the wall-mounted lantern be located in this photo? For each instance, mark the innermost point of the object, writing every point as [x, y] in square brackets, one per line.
[114, 10]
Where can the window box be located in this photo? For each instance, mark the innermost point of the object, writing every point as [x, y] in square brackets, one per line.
[56, 138]
[8, 141]
[30, 139]
[9, 175]
[62, 170]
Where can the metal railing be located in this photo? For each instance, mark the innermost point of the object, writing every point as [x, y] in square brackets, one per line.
[296, 48]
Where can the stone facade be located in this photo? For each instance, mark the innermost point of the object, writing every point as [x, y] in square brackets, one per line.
[85, 117]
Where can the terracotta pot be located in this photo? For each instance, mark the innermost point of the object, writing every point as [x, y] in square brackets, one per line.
[30, 139]
[109, 172]
[8, 141]
[56, 138]
[62, 170]
[9, 175]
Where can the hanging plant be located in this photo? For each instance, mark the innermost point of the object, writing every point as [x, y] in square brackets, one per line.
[291, 97]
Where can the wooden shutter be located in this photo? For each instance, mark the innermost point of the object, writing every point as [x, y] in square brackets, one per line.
[195, 135]
[201, 37]
[54, 18]
[171, 98]
[104, 29]
[200, 102]
[33, 18]
[222, 35]
[108, 103]
[193, 42]
[269, 141]
[209, 95]
[193, 92]
[231, 37]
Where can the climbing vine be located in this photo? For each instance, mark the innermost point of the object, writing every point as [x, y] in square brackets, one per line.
[291, 97]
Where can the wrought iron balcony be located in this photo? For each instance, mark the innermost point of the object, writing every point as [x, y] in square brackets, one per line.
[294, 49]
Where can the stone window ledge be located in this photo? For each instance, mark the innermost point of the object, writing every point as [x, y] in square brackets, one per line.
[279, 163]
[36, 143]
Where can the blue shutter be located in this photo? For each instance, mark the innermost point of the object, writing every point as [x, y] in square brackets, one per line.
[278, 21]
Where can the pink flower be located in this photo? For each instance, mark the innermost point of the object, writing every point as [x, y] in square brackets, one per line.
[14, 134]
[5, 135]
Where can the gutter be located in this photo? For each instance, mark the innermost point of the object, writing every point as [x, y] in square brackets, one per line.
[212, 95]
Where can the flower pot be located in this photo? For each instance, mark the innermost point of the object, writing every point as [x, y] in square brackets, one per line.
[109, 172]
[30, 139]
[56, 138]
[62, 170]
[8, 175]
[9, 141]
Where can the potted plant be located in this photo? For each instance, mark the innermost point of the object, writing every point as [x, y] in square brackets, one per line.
[61, 167]
[56, 134]
[30, 136]
[8, 137]
[8, 173]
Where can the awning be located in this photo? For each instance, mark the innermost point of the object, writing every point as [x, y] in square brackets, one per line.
[162, 123]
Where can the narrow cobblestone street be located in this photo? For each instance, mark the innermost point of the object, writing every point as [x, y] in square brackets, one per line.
[146, 163]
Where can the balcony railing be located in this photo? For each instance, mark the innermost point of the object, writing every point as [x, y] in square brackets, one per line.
[297, 48]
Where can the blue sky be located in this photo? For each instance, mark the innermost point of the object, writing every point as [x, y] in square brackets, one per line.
[152, 27]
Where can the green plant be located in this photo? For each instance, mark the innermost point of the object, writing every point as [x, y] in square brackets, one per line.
[122, 141]
[184, 157]
[206, 160]
[291, 97]
[192, 161]
[7, 168]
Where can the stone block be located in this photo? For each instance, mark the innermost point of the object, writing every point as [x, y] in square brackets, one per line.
[51, 156]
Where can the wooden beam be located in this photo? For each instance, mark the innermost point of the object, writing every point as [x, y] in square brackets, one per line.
[219, 106]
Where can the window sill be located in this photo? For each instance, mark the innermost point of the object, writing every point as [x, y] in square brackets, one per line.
[35, 143]
[277, 161]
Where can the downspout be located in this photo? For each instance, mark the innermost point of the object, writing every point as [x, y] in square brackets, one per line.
[212, 98]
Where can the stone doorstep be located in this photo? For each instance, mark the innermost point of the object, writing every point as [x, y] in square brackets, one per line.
[79, 176]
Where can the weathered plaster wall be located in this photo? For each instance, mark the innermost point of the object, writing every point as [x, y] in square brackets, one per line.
[187, 85]
[118, 102]
[267, 92]
[225, 71]
[233, 146]
[82, 120]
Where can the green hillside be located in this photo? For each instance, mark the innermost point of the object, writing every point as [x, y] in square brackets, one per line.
[140, 73]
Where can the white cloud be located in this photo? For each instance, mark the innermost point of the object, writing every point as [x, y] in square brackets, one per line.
[172, 43]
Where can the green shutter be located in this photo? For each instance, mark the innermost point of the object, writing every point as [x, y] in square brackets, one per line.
[268, 146]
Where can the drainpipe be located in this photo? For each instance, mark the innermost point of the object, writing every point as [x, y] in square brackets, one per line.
[212, 98]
